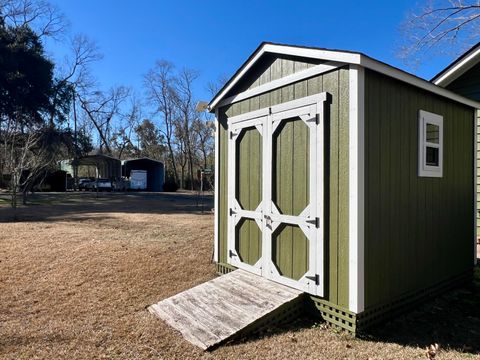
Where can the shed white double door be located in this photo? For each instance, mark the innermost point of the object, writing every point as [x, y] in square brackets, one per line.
[275, 197]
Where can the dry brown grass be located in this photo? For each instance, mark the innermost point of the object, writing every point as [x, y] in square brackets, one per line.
[77, 274]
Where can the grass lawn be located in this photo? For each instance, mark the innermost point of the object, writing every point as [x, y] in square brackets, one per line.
[77, 273]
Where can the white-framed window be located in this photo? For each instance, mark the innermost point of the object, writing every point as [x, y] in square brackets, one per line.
[430, 144]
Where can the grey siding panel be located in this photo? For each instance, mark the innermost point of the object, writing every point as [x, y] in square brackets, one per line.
[418, 230]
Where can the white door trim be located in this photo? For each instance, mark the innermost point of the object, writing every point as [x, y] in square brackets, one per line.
[310, 109]
[235, 212]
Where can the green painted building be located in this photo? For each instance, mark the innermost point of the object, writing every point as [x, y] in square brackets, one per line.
[463, 77]
[346, 178]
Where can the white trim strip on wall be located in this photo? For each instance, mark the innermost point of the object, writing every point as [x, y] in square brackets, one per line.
[278, 83]
[356, 190]
[217, 188]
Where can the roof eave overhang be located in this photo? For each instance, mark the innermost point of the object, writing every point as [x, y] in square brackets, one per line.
[342, 57]
[457, 69]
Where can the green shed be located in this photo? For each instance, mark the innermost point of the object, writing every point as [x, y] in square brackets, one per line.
[462, 76]
[346, 178]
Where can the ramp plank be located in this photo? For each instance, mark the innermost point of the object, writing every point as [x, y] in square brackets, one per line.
[213, 312]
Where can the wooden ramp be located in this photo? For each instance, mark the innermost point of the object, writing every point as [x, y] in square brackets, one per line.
[215, 311]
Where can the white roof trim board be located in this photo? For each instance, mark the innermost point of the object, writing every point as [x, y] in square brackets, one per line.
[342, 57]
[458, 68]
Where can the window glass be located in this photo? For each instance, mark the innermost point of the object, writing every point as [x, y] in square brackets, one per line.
[433, 133]
[432, 156]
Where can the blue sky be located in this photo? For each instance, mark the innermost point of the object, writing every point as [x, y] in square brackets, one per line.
[216, 37]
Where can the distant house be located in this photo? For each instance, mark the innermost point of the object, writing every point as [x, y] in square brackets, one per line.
[346, 178]
[463, 77]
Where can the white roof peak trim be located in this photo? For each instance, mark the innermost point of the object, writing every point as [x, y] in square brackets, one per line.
[275, 84]
[345, 57]
[331, 55]
[458, 69]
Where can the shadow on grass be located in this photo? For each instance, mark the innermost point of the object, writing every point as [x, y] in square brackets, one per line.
[80, 206]
[451, 320]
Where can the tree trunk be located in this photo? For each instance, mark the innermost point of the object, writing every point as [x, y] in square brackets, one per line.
[182, 180]
[190, 168]
[24, 196]
[14, 196]
[172, 159]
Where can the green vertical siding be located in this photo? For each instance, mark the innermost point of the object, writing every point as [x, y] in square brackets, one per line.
[291, 173]
[468, 85]
[248, 241]
[249, 168]
[418, 230]
[290, 251]
[271, 67]
[336, 163]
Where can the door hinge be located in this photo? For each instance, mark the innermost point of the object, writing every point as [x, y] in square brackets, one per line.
[317, 118]
[315, 222]
[231, 211]
[231, 253]
[315, 278]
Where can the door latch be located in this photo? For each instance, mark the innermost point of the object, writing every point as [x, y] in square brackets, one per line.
[268, 220]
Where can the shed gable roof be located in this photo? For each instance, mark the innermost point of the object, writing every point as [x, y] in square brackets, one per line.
[322, 56]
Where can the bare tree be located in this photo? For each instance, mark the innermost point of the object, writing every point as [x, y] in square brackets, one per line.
[181, 154]
[125, 128]
[213, 87]
[205, 144]
[186, 107]
[437, 23]
[102, 108]
[41, 16]
[159, 84]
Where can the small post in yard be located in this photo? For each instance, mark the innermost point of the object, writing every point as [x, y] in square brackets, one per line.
[200, 191]
[201, 188]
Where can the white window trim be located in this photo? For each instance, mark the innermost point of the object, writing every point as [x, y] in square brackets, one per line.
[424, 170]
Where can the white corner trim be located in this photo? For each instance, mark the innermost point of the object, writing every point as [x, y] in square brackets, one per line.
[275, 84]
[475, 170]
[356, 264]
[217, 188]
[458, 69]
